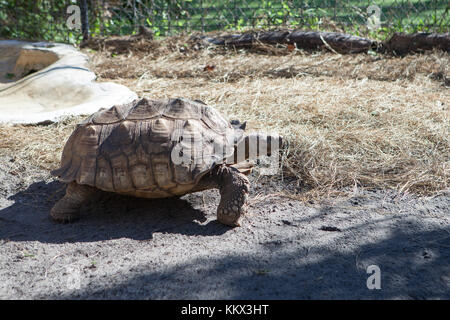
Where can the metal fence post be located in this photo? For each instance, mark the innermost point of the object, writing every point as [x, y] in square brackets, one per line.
[235, 22]
[134, 16]
[84, 19]
[203, 15]
[334, 11]
[169, 8]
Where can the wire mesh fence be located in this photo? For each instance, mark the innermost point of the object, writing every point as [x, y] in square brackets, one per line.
[47, 19]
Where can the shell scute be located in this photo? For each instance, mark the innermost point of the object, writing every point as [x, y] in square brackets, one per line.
[103, 177]
[121, 177]
[113, 115]
[142, 176]
[183, 109]
[146, 109]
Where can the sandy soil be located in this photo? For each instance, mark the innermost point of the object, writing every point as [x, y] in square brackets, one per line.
[126, 248]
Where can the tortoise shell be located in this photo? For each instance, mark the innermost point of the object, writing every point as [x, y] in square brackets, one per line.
[148, 148]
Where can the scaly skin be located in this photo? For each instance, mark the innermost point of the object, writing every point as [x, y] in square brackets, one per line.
[234, 188]
[68, 208]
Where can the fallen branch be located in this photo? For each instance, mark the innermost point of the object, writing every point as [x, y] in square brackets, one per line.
[404, 43]
[334, 41]
[337, 42]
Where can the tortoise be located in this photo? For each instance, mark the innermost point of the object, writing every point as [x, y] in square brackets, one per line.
[158, 149]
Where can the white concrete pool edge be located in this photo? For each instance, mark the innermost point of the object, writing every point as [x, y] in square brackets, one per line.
[65, 87]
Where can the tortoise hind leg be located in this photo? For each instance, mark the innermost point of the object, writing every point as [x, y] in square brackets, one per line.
[68, 208]
[234, 187]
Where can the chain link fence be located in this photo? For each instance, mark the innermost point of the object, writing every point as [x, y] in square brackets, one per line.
[46, 19]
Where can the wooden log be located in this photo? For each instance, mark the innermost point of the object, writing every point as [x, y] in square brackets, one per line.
[403, 43]
[273, 37]
[342, 43]
[339, 42]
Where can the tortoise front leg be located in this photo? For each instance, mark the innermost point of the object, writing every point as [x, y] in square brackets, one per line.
[68, 208]
[234, 188]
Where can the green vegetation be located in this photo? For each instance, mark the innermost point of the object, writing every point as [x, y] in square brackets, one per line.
[36, 20]
[46, 19]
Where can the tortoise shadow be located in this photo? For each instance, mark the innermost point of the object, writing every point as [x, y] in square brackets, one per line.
[110, 217]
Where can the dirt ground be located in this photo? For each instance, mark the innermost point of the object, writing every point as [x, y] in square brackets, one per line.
[376, 186]
[125, 248]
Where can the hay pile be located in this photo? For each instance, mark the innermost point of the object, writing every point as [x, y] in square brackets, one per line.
[365, 121]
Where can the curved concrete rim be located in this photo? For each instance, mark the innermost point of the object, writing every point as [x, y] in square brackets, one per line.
[41, 81]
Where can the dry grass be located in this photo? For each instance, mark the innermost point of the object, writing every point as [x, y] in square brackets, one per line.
[351, 121]
[39, 146]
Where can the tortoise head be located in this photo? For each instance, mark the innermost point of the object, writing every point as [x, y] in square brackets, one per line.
[255, 145]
